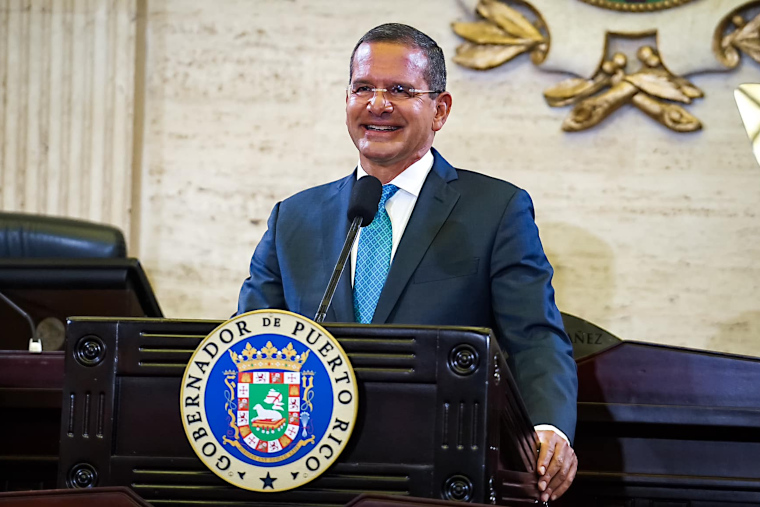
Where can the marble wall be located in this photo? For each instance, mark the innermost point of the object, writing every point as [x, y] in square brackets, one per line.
[654, 236]
[67, 86]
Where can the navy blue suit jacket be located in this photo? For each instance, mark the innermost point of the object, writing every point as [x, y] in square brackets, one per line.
[470, 256]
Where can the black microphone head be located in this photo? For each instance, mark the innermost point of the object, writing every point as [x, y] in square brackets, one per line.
[364, 199]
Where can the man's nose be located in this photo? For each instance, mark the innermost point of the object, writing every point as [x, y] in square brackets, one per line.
[378, 104]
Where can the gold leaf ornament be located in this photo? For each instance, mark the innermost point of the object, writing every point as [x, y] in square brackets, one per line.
[575, 89]
[748, 38]
[571, 90]
[500, 36]
[483, 32]
[672, 116]
[659, 86]
[642, 89]
[509, 19]
[484, 57]
[735, 35]
[504, 33]
[592, 111]
[656, 80]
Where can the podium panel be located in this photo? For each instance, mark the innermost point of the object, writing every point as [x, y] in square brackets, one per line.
[49, 291]
[439, 417]
[96, 497]
[55, 289]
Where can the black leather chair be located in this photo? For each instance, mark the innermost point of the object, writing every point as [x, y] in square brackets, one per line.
[57, 267]
[37, 236]
[51, 268]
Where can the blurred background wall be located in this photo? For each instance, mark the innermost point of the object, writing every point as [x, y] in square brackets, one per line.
[183, 122]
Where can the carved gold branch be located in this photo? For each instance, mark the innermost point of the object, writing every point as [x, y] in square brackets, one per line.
[735, 35]
[500, 36]
[503, 33]
[643, 89]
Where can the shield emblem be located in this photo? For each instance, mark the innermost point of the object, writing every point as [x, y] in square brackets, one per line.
[276, 406]
[269, 403]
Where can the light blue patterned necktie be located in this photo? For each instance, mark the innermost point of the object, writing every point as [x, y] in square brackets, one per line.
[373, 260]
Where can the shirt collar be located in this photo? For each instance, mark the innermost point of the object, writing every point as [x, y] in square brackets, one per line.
[412, 178]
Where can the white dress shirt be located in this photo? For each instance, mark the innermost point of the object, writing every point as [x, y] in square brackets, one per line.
[401, 205]
[399, 208]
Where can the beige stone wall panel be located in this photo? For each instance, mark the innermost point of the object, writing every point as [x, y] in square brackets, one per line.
[67, 108]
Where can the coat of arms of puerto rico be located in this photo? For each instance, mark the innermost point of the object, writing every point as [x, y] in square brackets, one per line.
[268, 400]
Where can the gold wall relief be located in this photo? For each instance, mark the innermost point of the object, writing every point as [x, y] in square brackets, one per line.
[503, 34]
[505, 29]
[738, 32]
[596, 98]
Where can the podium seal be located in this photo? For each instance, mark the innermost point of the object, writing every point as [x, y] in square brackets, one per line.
[268, 400]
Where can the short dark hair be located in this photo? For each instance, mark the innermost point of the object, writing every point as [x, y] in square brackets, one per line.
[435, 73]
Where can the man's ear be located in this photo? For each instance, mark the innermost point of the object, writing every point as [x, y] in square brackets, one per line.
[442, 110]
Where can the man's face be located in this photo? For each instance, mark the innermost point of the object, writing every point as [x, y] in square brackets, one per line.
[391, 132]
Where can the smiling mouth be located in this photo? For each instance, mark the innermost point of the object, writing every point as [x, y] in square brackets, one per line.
[381, 128]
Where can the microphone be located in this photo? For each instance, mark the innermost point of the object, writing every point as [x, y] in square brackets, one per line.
[365, 197]
[364, 200]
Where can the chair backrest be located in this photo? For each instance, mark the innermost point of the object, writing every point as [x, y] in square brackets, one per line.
[37, 236]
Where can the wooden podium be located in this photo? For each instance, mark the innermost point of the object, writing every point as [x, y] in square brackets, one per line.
[439, 417]
[30, 384]
[96, 497]
[125, 497]
[641, 409]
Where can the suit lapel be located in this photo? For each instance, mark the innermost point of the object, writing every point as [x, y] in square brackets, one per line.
[433, 207]
[334, 230]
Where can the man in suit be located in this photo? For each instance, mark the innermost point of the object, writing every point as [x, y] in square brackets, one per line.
[446, 247]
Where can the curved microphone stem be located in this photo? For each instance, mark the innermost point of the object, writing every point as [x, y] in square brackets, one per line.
[335, 278]
[20, 311]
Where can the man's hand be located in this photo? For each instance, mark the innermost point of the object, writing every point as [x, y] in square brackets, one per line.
[557, 465]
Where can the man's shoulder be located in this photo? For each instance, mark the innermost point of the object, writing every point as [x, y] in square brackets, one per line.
[484, 187]
[467, 181]
[473, 177]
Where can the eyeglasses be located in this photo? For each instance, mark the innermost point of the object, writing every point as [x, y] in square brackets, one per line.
[396, 92]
